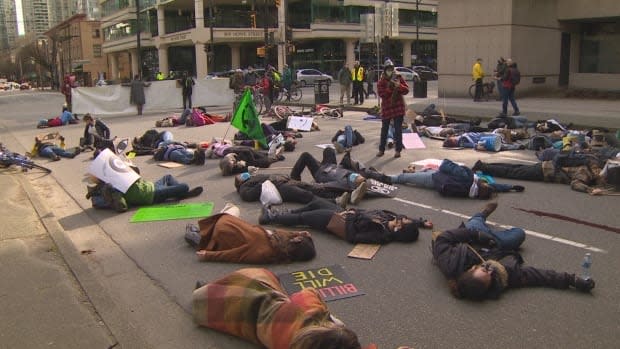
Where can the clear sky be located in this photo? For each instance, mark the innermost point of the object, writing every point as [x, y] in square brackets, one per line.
[20, 17]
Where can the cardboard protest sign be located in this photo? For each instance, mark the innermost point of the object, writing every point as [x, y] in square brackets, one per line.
[109, 168]
[381, 189]
[302, 123]
[169, 164]
[332, 282]
[364, 251]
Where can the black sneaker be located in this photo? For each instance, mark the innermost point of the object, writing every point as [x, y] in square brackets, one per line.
[199, 157]
[194, 192]
[516, 113]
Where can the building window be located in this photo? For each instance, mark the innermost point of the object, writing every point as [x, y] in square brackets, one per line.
[96, 50]
[96, 33]
[600, 46]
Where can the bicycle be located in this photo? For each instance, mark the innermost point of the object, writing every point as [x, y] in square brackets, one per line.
[487, 90]
[294, 94]
[9, 158]
[326, 112]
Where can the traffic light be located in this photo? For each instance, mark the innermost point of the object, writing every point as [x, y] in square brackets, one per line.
[277, 3]
[253, 20]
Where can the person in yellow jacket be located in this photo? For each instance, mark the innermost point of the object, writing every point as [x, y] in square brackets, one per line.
[357, 76]
[477, 73]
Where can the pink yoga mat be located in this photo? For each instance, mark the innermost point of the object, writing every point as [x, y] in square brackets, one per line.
[413, 141]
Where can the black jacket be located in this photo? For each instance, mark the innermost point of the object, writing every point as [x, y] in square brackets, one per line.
[371, 227]
[100, 127]
[453, 257]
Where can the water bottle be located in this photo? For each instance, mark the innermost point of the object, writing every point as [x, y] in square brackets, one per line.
[586, 264]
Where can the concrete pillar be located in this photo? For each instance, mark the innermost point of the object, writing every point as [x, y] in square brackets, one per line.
[201, 60]
[113, 59]
[162, 55]
[161, 23]
[134, 61]
[199, 11]
[281, 34]
[235, 56]
[407, 53]
[350, 52]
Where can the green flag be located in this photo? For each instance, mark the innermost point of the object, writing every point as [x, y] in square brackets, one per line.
[246, 119]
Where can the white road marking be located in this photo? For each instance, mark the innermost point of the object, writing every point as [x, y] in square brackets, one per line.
[529, 232]
[517, 159]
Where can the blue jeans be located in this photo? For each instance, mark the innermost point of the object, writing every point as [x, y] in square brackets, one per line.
[347, 138]
[51, 151]
[166, 139]
[182, 156]
[509, 239]
[509, 95]
[168, 187]
[419, 179]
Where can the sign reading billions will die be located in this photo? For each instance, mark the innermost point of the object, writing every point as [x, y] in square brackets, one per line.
[332, 282]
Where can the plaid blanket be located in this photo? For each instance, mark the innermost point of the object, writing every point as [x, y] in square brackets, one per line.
[251, 304]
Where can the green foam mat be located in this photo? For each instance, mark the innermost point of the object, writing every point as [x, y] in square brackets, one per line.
[171, 212]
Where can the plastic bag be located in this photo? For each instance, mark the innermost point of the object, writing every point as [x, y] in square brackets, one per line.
[269, 194]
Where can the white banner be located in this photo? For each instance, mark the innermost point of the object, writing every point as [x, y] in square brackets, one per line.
[160, 95]
[109, 168]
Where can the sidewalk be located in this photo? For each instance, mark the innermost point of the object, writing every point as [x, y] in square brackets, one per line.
[43, 306]
[587, 113]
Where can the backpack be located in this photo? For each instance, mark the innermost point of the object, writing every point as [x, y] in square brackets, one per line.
[539, 142]
[515, 76]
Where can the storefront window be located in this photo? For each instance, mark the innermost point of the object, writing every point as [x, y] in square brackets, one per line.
[600, 48]
[324, 55]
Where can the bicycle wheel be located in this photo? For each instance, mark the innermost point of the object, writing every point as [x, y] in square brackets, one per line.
[31, 165]
[472, 91]
[282, 111]
[296, 94]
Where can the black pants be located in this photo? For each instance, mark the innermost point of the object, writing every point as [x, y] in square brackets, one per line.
[398, 133]
[316, 214]
[307, 160]
[532, 172]
[348, 163]
[478, 93]
[251, 156]
[187, 100]
[358, 92]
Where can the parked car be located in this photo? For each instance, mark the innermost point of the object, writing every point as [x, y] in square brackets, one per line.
[11, 85]
[425, 72]
[407, 74]
[24, 86]
[310, 76]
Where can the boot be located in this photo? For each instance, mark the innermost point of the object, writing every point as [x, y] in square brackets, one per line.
[266, 215]
[488, 209]
[193, 193]
[192, 235]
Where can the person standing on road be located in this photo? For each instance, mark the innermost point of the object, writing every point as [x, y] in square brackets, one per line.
[287, 81]
[477, 73]
[370, 81]
[391, 89]
[136, 94]
[500, 69]
[494, 264]
[345, 80]
[251, 77]
[357, 76]
[187, 86]
[510, 80]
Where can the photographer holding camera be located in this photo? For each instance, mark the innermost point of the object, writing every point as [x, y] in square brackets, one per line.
[392, 88]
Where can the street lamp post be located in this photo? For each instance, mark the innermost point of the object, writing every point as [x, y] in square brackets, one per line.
[211, 54]
[266, 28]
[138, 44]
[417, 30]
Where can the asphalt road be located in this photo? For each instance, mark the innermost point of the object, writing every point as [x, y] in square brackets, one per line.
[406, 299]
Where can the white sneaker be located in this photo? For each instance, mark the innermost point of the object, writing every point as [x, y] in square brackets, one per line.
[231, 209]
[358, 194]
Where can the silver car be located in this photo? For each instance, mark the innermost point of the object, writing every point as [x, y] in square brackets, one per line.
[310, 76]
[407, 74]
